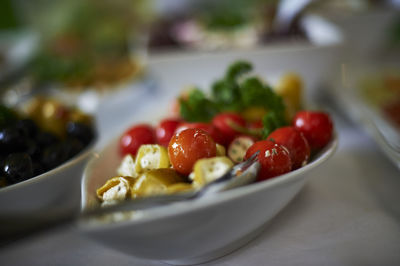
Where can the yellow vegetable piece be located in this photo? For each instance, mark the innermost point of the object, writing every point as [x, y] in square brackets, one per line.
[207, 170]
[151, 156]
[115, 189]
[290, 87]
[179, 187]
[53, 116]
[221, 151]
[127, 167]
[156, 182]
[253, 114]
[78, 116]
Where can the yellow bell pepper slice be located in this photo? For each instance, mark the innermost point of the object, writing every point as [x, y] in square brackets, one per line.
[151, 156]
[209, 169]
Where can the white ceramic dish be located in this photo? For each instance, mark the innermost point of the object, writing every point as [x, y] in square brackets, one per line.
[194, 231]
[347, 94]
[314, 61]
[48, 196]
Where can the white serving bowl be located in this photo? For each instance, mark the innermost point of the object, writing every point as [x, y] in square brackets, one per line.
[51, 195]
[193, 231]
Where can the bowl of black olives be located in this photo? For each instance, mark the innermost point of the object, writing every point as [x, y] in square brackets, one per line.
[43, 149]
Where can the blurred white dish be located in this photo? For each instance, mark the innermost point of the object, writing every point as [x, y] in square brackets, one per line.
[192, 231]
[366, 32]
[314, 61]
[45, 197]
[348, 95]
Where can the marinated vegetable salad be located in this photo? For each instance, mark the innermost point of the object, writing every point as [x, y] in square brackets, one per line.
[40, 138]
[211, 134]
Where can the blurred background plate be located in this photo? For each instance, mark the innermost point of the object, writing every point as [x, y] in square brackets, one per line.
[321, 52]
[370, 96]
[368, 31]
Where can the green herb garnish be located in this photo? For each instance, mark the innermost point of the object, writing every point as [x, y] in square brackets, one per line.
[197, 107]
[235, 92]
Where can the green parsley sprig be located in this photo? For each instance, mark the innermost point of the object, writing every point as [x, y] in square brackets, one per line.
[236, 91]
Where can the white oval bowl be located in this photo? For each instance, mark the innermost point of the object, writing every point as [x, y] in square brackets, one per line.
[192, 231]
[51, 195]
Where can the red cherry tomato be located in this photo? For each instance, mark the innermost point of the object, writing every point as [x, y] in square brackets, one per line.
[135, 136]
[226, 123]
[188, 146]
[274, 159]
[295, 142]
[166, 129]
[209, 128]
[256, 125]
[317, 127]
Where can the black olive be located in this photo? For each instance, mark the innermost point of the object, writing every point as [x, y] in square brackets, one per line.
[7, 116]
[17, 167]
[54, 155]
[33, 149]
[3, 181]
[83, 132]
[38, 168]
[11, 140]
[27, 126]
[45, 139]
[73, 146]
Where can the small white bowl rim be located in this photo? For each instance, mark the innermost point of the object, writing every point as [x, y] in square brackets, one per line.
[179, 208]
[53, 172]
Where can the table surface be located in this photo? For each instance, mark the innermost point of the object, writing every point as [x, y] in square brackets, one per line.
[347, 214]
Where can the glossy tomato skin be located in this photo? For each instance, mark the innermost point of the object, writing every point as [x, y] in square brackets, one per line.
[317, 127]
[209, 128]
[274, 159]
[166, 129]
[295, 142]
[188, 146]
[224, 121]
[135, 136]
